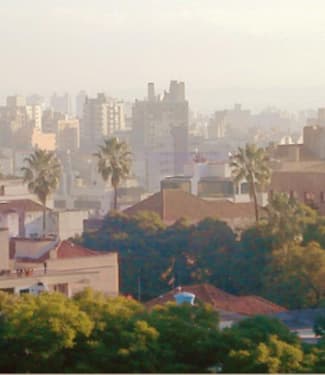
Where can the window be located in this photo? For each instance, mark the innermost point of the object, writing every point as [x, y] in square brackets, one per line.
[244, 188]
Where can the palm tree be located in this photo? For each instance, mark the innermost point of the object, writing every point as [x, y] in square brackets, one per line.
[42, 174]
[251, 163]
[114, 161]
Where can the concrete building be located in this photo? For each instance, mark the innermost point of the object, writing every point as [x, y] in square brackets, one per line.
[174, 204]
[68, 136]
[34, 113]
[102, 117]
[43, 141]
[304, 181]
[80, 102]
[32, 266]
[24, 218]
[50, 120]
[61, 104]
[217, 125]
[160, 134]
[17, 121]
[229, 122]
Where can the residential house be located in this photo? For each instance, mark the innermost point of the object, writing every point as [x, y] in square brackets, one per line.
[303, 181]
[230, 307]
[32, 265]
[24, 218]
[173, 204]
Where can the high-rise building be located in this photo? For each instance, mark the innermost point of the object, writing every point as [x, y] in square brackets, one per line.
[50, 121]
[17, 121]
[160, 133]
[217, 125]
[102, 118]
[68, 136]
[61, 104]
[80, 102]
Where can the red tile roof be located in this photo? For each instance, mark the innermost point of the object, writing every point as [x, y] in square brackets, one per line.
[67, 249]
[220, 300]
[172, 204]
[64, 250]
[26, 205]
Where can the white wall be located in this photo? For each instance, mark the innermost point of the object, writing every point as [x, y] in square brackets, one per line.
[4, 249]
[70, 223]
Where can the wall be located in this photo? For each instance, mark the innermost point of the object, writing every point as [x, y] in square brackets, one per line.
[34, 223]
[107, 278]
[11, 221]
[4, 249]
[299, 184]
[70, 223]
[32, 248]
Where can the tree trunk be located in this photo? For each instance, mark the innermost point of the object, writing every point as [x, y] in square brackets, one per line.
[115, 198]
[44, 218]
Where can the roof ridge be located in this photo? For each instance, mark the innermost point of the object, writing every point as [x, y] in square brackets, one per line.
[264, 300]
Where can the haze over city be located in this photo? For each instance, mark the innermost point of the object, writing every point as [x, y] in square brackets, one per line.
[256, 52]
[162, 186]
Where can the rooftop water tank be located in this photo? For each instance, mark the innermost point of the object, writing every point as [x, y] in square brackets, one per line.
[184, 297]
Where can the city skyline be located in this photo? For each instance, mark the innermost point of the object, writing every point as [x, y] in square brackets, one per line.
[254, 52]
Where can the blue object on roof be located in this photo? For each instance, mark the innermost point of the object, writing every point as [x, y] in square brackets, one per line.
[184, 297]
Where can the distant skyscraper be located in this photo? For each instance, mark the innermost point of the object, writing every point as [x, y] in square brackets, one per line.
[160, 133]
[61, 104]
[80, 102]
[17, 121]
[102, 117]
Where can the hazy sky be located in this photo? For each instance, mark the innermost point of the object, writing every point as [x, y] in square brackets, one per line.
[253, 51]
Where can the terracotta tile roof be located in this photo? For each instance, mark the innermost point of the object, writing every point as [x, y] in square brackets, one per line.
[64, 250]
[26, 205]
[172, 204]
[67, 249]
[222, 301]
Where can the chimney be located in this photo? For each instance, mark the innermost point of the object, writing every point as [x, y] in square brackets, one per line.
[4, 249]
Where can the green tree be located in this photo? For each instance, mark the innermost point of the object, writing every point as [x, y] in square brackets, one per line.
[254, 345]
[114, 162]
[272, 356]
[287, 219]
[315, 231]
[188, 337]
[42, 174]
[122, 340]
[251, 164]
[296, 277]
[36, 330]
[251, 260]
[213, 246]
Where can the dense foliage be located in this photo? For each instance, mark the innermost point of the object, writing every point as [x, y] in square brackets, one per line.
[92, 333]
[282, 258]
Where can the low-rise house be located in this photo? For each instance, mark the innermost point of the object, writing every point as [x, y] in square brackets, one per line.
[302, 322]
[230, 307]
[302, 180]
[24, 218]
[173, 204]
[29, 264]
